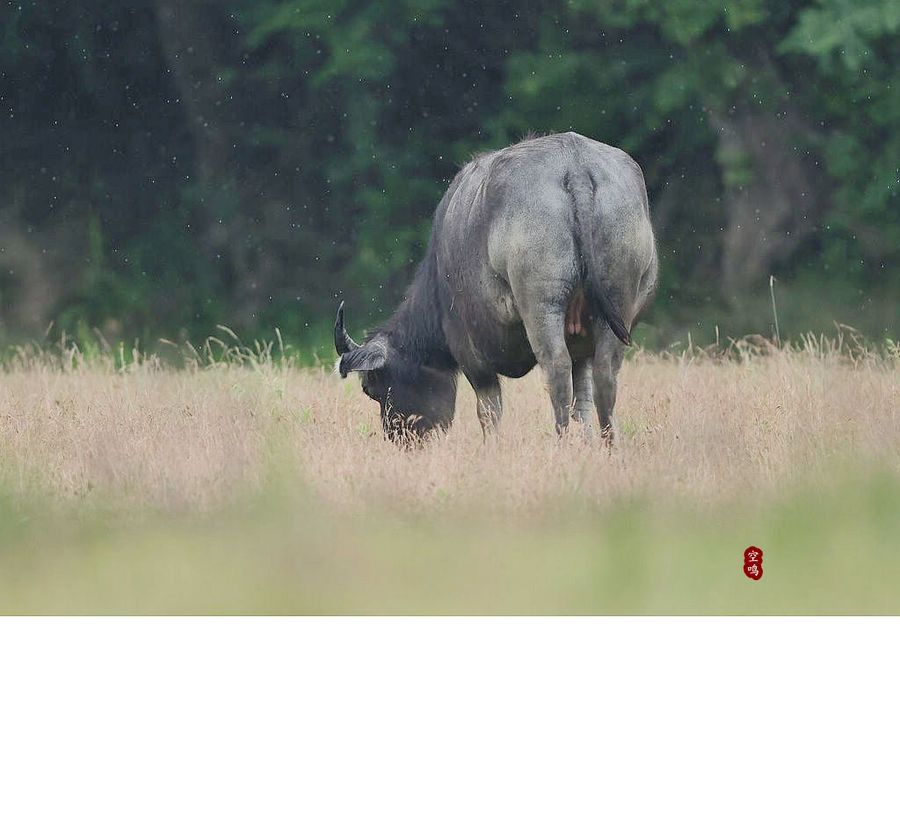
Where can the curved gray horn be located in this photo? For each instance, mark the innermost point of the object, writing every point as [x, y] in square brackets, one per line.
[342, 341]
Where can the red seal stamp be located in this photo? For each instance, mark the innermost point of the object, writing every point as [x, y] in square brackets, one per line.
[753, 556]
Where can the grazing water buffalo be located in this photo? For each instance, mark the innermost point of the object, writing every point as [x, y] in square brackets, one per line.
[542, 252]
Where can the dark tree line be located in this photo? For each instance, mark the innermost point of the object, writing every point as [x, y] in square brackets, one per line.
[169, 164]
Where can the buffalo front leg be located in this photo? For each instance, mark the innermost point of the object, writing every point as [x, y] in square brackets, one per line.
[608, 356]
[488, 402]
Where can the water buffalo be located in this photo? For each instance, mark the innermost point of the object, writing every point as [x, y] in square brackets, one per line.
[542, 252]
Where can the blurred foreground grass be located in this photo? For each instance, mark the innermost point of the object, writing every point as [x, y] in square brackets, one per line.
[283, 552]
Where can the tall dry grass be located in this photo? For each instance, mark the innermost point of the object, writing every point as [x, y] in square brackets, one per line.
[241, 483]
[700, 426]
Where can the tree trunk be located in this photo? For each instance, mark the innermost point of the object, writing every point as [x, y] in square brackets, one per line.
[188, 36]
[27, 291]
[771, 195]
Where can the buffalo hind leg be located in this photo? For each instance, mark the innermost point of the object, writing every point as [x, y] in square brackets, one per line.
[547, 336]
[543, 282]
[583, 384]
[608, 355]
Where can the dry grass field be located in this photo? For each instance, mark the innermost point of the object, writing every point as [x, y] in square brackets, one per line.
[243, 484]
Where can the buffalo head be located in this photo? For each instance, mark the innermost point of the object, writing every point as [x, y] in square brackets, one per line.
[414, 399]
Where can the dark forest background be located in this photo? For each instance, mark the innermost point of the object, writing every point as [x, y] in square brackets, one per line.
[166, 166]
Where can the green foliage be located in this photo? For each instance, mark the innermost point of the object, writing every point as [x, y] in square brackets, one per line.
[844, 31]
[259, 158]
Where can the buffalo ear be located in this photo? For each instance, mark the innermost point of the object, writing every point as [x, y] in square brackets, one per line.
[364, 358]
